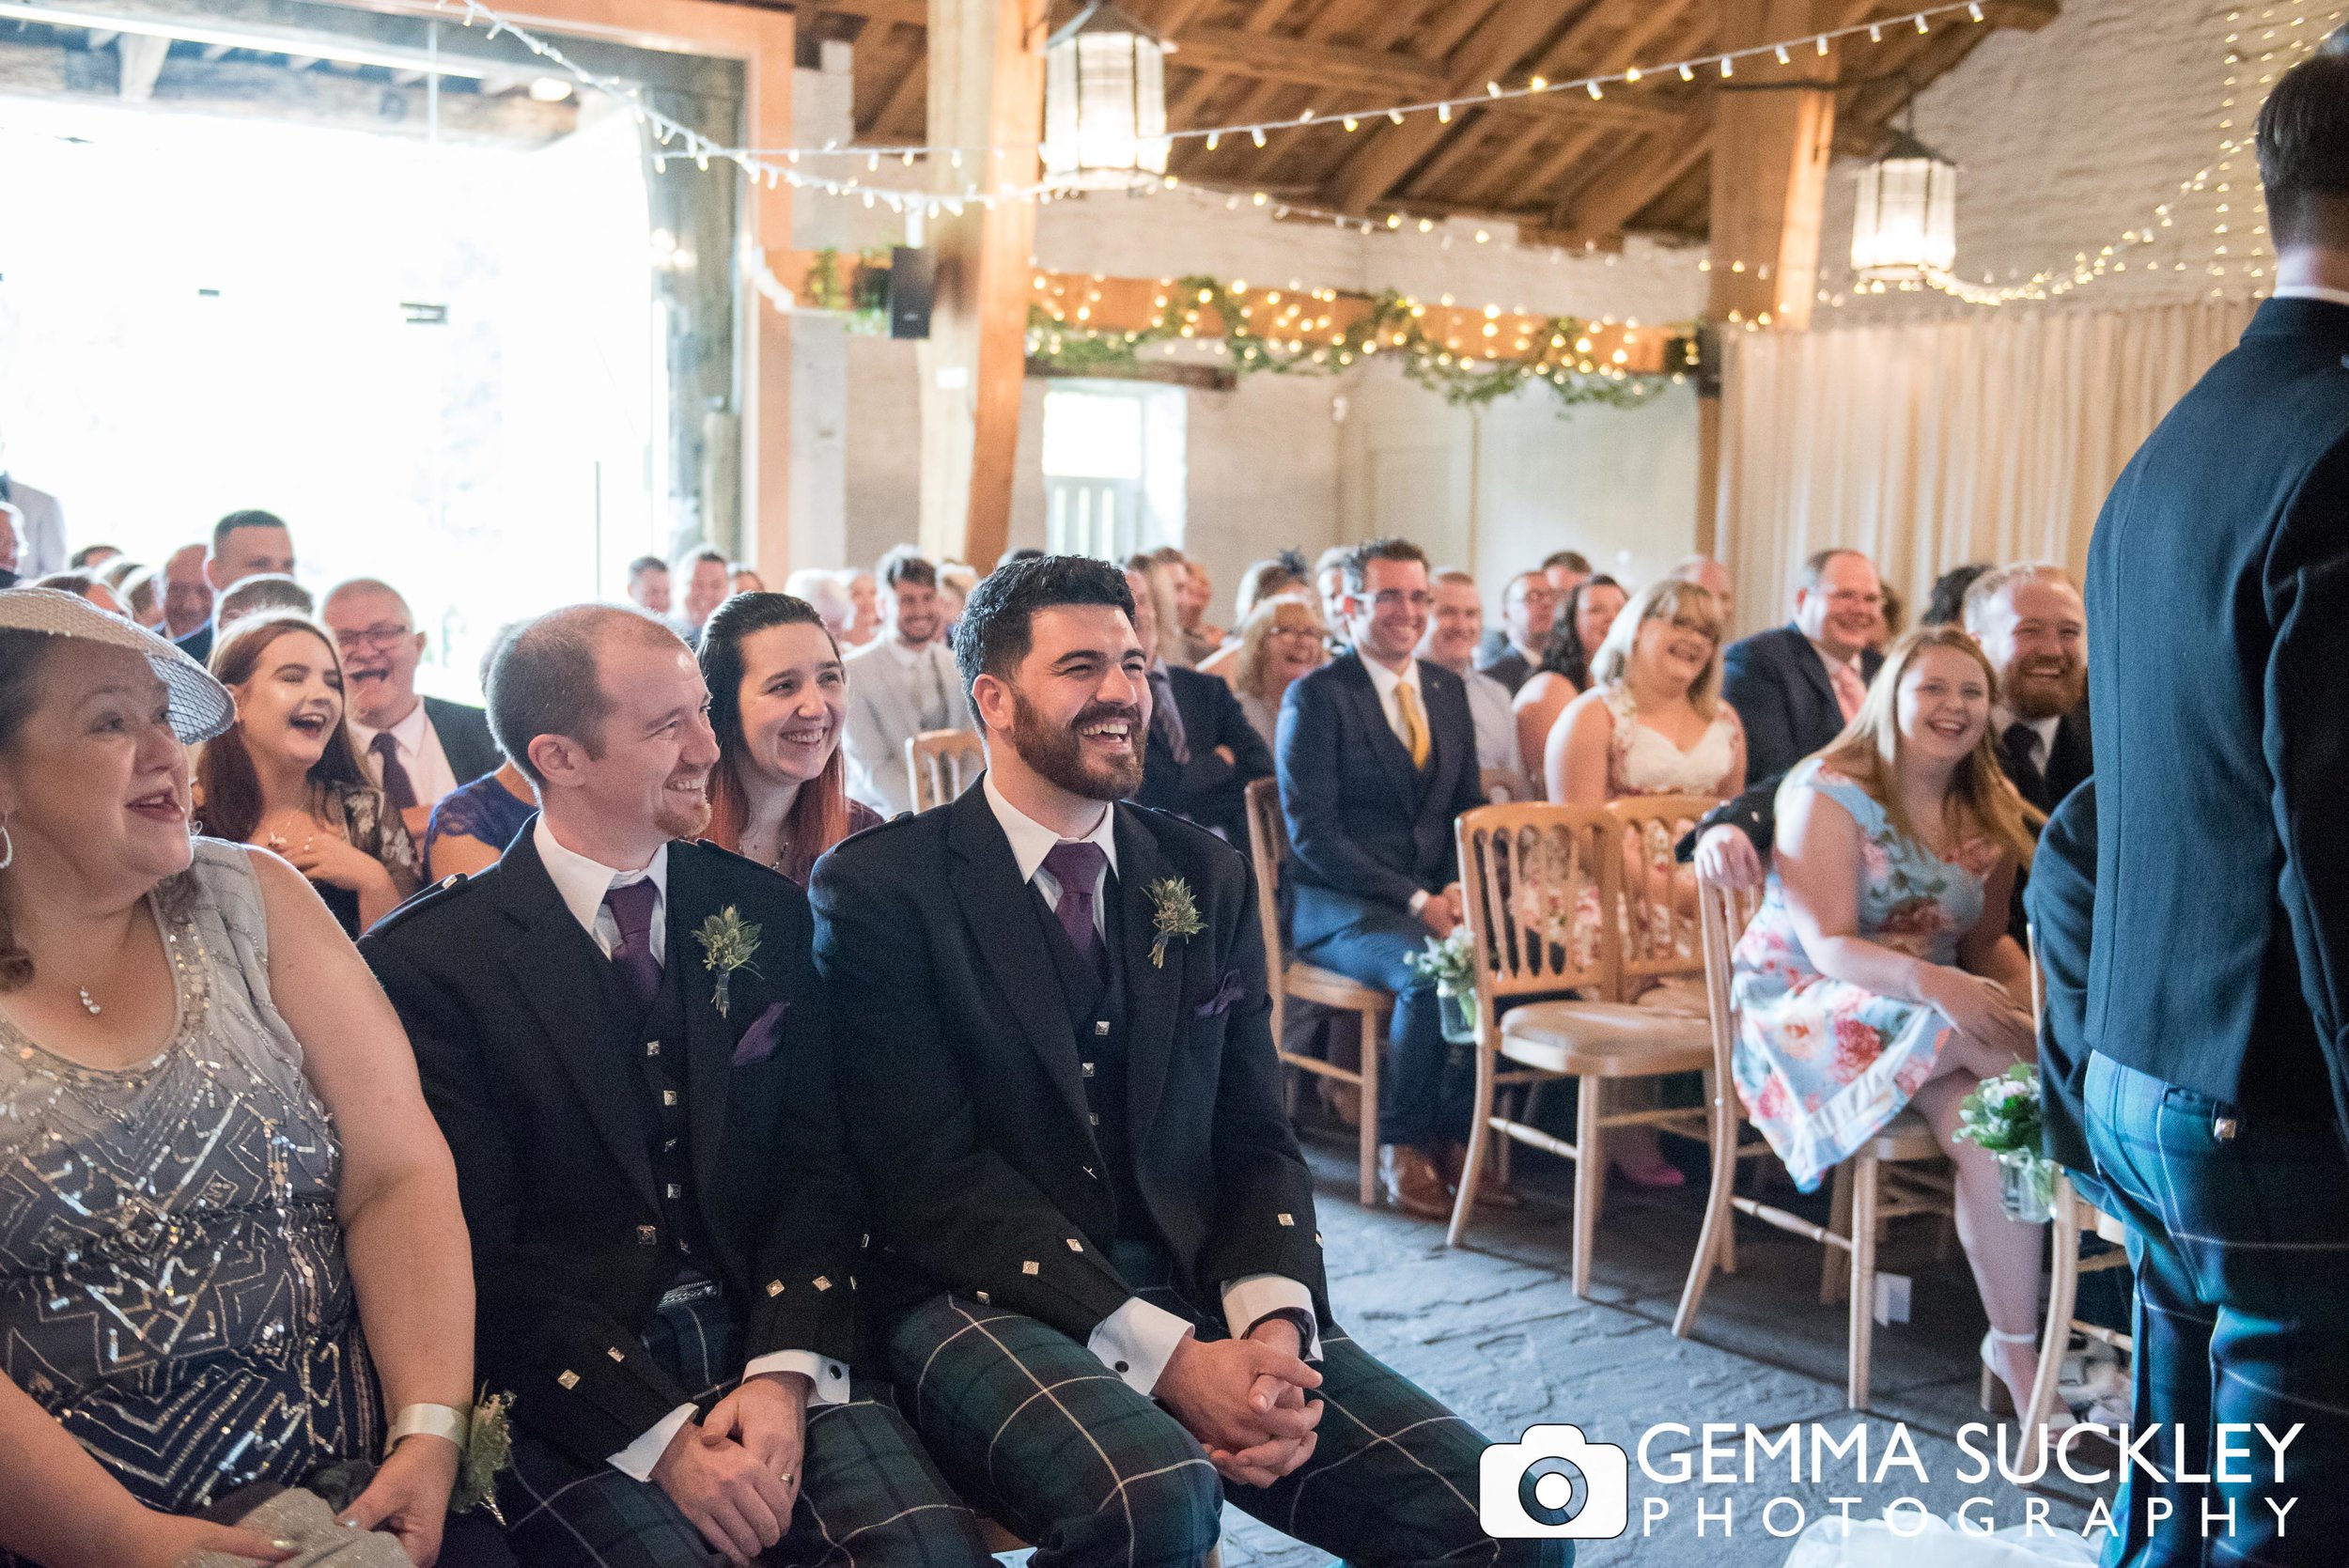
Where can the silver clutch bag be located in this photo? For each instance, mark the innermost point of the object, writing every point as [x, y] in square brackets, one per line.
[303, 1518]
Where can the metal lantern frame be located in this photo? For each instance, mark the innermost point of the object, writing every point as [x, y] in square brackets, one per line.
[1905, 224]
[1104, 98]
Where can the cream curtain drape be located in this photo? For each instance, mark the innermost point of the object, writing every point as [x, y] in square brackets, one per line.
[1993, 436]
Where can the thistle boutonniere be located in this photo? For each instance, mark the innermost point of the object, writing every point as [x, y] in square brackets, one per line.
[728, 944]
[1173, 913]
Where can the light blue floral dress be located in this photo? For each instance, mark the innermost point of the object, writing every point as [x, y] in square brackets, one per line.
[1821, 1064]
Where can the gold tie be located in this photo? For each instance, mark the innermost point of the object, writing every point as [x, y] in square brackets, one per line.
[1414, 726]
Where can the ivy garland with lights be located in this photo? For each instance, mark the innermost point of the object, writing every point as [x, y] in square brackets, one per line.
[1559, 358]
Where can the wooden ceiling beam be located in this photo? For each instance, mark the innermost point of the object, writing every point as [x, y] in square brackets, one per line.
[1340, 70]
[907, 111]
[1493, 52]
[1629, 183]
[1630, 47]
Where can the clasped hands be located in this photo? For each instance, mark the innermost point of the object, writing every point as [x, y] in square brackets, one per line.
[1441, 912]
[1245, 1401]
[736, 1472]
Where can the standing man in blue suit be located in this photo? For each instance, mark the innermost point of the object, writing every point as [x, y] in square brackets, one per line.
[2217, 1006]
[1376, 756]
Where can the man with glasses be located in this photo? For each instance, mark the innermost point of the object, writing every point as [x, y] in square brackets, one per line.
[416, 748]
[1377, 756]
[1794, 688]
[1513, 651]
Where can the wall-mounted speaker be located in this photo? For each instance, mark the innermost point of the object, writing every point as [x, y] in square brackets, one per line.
[912, 290]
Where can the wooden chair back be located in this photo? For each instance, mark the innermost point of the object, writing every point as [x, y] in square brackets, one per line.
[1660, 925]
[1724, 914]
[1531, 877]
[1267, 846]
[940, 765]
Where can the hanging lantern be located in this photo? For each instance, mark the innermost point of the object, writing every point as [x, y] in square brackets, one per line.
[1906, 224]
[1104, 98]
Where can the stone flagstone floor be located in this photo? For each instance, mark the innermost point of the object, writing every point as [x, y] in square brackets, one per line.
[1496, 1331]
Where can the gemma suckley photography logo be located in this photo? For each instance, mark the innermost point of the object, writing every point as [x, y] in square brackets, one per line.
[1555, 1483]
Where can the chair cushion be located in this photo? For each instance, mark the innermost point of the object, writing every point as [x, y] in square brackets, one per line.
[1605, 1039]
[1906, 1136]
[1679, 993]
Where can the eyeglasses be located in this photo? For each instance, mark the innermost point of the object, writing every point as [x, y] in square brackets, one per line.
[1312, 631]
[378, 637]
[1393, 598]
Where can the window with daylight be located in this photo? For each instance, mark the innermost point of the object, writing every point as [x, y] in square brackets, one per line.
[1114, 468]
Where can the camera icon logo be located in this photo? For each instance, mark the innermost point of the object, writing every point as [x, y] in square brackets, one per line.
[1553, 1485]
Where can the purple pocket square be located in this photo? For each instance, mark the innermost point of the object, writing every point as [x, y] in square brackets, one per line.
[1226, 995]
[759, 1041]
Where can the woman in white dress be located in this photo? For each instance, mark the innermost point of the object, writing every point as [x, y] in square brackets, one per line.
[1652, 722]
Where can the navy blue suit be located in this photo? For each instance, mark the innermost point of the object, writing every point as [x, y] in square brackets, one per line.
[2062, 902]
[2218, 1092]
[1205, 789]
[1779, 685]
[1368, 831]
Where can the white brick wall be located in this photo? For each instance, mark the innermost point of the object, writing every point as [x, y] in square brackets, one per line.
[2069, 136]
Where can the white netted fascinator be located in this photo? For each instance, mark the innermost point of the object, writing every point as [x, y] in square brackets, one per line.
[200, 706]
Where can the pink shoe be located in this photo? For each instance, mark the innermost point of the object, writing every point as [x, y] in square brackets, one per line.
[1661, 1173]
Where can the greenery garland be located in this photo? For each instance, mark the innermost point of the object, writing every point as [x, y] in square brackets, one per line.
[1462, 380]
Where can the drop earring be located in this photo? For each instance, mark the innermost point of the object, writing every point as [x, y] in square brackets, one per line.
[7, 846]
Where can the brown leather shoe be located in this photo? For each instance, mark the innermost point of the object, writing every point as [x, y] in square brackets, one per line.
[1491, 1192]
[1411, 1181]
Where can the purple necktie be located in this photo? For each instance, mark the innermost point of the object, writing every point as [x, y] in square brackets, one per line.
[399, 791]
[1077, 867]
[632, 911]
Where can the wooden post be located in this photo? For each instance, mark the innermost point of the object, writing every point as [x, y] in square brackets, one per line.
[986, 90]
[1772, 127]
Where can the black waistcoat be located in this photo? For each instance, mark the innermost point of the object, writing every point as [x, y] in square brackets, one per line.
[1097, 1016]
[658, 1050]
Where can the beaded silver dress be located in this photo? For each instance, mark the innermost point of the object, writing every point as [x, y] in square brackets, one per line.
[172, 1286]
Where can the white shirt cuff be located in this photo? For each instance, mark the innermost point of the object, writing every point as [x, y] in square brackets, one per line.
[830, 1377]
[1253, 1297]
[1136, 1342]
[637, 1460]
[1419, 900]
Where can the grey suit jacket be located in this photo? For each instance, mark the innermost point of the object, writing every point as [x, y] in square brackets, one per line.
[886, 704]
[44, 526]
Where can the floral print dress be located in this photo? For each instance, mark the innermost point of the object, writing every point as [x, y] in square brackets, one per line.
[1822, 1065]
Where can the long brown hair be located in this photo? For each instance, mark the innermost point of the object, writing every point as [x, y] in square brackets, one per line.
[818, 817]
[227, 789]
[1868, 753]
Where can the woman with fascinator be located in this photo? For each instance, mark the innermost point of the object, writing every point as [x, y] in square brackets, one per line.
[231, 1256]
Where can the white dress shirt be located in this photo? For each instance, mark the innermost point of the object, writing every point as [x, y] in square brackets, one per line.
[1496, 719]
[1138, 1339]
[2312, 291]
[417, 745]
[1384, 682]
[582, 883]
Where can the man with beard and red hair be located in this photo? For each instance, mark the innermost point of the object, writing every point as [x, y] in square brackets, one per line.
[1094, 1252]
[2033, 624]
[621, 1033]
